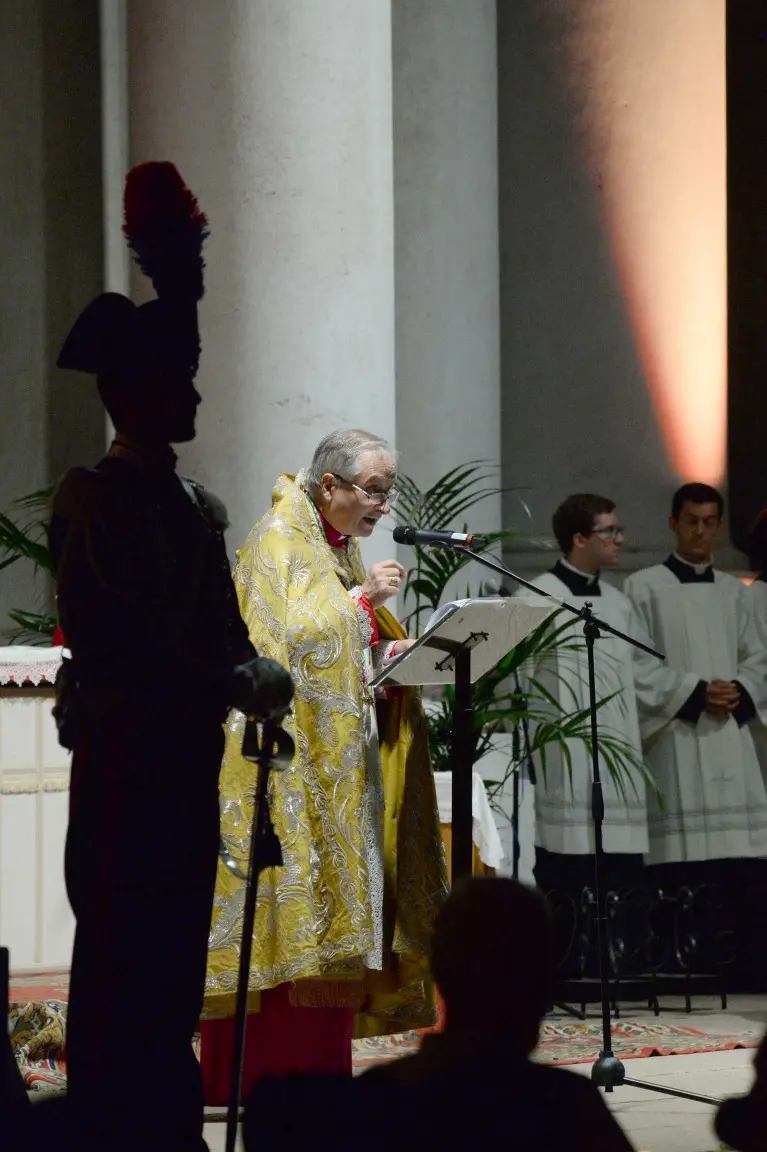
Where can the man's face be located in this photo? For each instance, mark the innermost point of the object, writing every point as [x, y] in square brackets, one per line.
[345, 503]
[602, 547]
[174, 401]
[696, 531]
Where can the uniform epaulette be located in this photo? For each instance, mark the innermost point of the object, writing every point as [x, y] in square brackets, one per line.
[213, 509]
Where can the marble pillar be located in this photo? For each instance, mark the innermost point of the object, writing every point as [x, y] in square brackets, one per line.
[50, 254]
[446, 231]
[279, 116]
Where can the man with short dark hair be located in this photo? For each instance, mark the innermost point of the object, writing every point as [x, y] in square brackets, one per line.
[589, 535]
[711, 825]
[492, 961]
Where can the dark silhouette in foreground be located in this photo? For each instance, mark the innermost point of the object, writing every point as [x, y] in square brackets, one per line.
[159, 654]
[475, 1083]
[741, 1122]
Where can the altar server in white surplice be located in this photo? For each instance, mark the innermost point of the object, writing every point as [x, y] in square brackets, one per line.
[589, 535]
[712, 828]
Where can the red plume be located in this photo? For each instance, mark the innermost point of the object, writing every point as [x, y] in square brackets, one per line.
[165, 229]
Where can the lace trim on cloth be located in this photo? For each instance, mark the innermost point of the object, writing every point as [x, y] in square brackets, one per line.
[25, 673]
[367, 618]
[382, 655]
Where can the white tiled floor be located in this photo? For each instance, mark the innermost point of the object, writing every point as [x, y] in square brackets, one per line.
[659, 1123]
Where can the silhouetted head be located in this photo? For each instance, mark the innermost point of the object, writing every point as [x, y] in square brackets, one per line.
[145, 358]
[491, 958]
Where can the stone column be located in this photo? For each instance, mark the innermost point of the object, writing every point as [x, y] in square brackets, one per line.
[446, 228]
[279, 116]
[50, 253]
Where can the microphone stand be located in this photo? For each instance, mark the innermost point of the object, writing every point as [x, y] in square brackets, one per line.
[568, 1009]
[608, 1071]
[273, 749]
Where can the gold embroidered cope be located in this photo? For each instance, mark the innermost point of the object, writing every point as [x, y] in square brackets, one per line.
[315, 919]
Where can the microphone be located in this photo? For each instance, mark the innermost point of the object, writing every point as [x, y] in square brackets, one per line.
[407, 534]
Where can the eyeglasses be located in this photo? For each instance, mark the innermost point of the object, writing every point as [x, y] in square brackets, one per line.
[376, 498]
[612, 533]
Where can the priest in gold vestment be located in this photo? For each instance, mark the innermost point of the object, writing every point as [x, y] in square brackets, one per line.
[342, 929]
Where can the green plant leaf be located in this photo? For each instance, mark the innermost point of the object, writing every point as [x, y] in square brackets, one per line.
[34, 627]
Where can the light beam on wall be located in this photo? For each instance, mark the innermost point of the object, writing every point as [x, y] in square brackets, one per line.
[650, 85]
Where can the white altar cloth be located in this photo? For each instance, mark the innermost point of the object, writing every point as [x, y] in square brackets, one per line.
[20, 664]
[484, 832]
[36, 922]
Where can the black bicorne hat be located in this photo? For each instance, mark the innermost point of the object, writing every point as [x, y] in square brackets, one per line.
[165, 231]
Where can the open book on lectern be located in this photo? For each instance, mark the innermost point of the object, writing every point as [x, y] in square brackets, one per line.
[490, 628]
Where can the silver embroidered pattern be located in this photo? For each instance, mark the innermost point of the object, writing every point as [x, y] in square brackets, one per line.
[329, 814]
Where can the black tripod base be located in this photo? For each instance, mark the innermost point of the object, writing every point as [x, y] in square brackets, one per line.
[608, 1071]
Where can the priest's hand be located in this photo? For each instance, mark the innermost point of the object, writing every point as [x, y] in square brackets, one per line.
[382, 581]
[402, 646]
[722, 697]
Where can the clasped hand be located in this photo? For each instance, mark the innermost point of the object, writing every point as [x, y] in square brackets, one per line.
[722, 697]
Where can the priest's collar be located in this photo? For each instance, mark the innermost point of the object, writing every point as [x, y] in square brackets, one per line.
[578, 583]
[144, 457]
[334, 538]
[687, 573]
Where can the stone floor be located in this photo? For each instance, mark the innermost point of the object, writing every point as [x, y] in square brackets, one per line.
[657, 1123]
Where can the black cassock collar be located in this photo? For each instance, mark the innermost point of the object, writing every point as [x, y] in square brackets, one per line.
[578, 583]
[689, 573]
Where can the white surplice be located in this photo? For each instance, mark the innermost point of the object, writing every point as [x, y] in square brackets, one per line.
[563, 794]
[714, 799]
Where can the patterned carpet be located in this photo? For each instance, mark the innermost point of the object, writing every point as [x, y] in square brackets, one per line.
[38, 1022]
[565, 1043]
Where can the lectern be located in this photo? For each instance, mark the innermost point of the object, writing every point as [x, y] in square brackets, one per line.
[462, 642]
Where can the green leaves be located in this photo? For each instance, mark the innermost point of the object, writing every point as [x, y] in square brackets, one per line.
[34, 627]
[26, 539]
[441, 507]
[498, 708]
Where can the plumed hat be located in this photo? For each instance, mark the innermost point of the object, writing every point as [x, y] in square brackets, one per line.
[165, 231]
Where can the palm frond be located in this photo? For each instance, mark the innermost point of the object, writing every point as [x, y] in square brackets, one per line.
[26, 539]
[34, 627]
[551, 707]
[39, 501]
[18, 543]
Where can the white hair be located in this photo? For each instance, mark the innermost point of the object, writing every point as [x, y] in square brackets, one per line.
[340, 453]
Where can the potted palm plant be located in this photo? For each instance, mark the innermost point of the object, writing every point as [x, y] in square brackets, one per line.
[498, 706]
[23, 536]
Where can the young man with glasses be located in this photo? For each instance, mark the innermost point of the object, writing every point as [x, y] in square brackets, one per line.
[711, 827]
[590, 536]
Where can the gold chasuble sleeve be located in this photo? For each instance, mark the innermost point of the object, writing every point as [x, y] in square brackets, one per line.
[314, 918]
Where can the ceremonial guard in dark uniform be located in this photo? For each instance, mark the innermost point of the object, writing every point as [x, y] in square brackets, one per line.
[159, 654]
